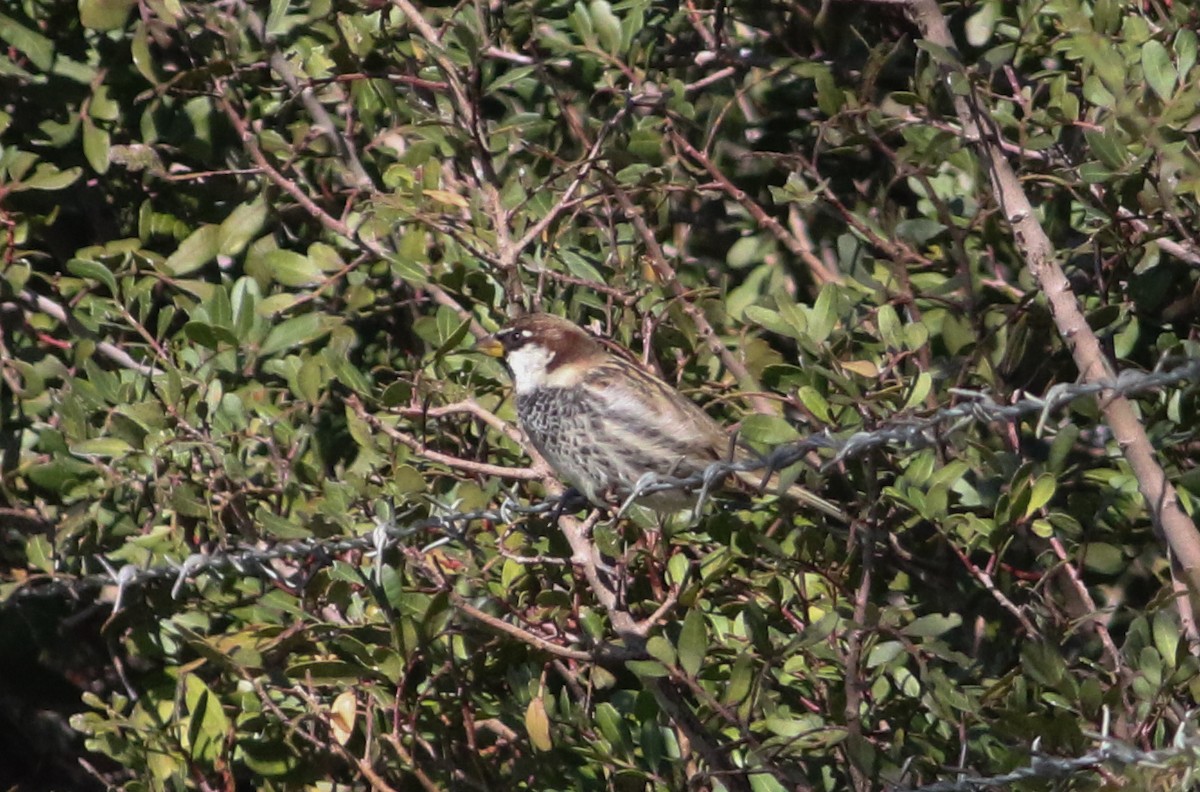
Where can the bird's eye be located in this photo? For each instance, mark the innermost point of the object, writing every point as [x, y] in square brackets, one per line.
[511, 338]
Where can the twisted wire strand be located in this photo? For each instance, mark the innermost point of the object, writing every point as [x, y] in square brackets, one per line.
[1111, 752]
[910, 433]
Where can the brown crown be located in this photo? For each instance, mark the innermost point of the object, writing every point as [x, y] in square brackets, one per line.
[567, 342]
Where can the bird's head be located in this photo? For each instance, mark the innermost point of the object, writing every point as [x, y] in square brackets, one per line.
[540, 350]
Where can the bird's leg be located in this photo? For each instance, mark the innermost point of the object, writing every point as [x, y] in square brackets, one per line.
[653, 564]
[571, 497]
[731, 455]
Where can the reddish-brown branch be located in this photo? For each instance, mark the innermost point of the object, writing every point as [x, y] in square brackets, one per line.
[1093, 621]
[328, 221]
[820, 273]
[985, 580]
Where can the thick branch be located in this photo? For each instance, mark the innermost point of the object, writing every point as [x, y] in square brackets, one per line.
[1034, 244]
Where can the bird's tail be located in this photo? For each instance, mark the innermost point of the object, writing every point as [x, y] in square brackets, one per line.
[795, 493]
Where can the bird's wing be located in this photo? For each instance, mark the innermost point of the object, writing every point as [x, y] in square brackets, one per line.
[656, 411]
[653, 415]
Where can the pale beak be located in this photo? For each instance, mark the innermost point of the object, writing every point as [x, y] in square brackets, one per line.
[490, 346]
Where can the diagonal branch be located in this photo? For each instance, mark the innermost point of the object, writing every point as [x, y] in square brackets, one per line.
[1170, 521]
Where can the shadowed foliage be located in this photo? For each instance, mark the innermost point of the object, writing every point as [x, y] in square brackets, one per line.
[245, 252]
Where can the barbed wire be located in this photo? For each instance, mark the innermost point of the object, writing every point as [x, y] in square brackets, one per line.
[1110, 752]
[912, 433]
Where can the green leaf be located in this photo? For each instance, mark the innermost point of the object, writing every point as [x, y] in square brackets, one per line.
[815, 403]
[48, 177]
[310, 380]
[1042, 492]
[889, 327]
[102, 106]
[209, 335]
[920, 389]
[292, 269]
[980, 25]
[693, 643]
[40, 554]
[194, 252]
[650, 669]
[35, 46]
[453, 338]
[294, 332]
[95, 271]
[1042, 663]
[765, 782]
[823, 317]
[1107, 147]
[101, 447]
[242, 225]
[771, 320]
[96, 146]
[326, 672]
[932, 626]
[139, 50]
[884, 653]
[207, 726]
[661, 649]
[1185, 52]
[1104, 558]
[767, 430]
[940, 54]
[1166, 636]
[612, 726]
[792, 727]
[346, 372]
[104, 14]
[740, 680]
[607, 26]
[678, 568]
[830, 97]
[1158, 69]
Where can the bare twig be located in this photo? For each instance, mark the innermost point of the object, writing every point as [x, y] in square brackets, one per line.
[110, 351]
[820, 273]
[449, 460]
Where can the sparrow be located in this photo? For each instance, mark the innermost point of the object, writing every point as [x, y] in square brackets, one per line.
[602, 422]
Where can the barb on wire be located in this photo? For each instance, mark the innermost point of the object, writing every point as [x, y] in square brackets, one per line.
[1109, 752]
[1049, 767]
[451, 524]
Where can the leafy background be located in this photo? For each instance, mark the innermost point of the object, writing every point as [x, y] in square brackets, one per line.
[247, 247]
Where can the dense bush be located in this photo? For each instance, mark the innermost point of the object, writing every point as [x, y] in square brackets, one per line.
[247, 248]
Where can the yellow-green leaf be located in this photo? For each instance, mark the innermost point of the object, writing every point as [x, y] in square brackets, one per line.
[194, 252]
[537, 724]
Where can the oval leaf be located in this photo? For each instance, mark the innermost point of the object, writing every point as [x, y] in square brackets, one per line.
[101, 447]
[194, 252]
[537, 724]
[242, 225]
[1158, 69]
[292, 269]
[294, 332]
[693, 643]
[341, 716]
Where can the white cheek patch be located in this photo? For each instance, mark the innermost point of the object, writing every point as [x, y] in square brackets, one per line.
[528, 367]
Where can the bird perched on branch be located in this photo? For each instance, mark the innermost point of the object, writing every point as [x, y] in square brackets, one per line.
[602, 422]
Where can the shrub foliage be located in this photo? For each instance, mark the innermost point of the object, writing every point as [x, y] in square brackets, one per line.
[247, 248]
